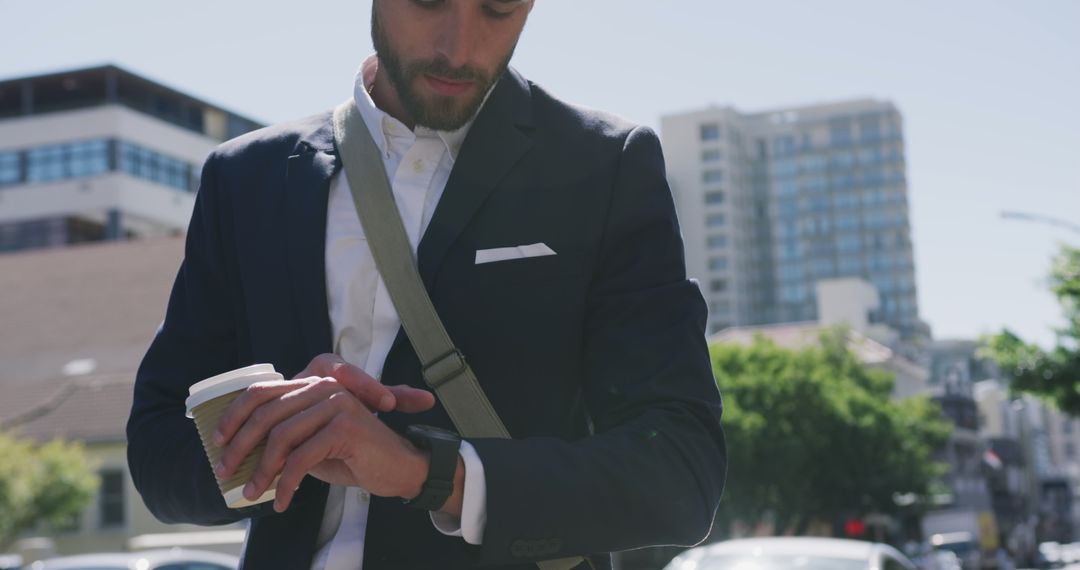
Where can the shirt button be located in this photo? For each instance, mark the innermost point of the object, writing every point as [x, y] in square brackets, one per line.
[363, 496]
[418, 166]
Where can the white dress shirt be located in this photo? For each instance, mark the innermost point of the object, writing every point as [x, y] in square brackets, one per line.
[363, 318]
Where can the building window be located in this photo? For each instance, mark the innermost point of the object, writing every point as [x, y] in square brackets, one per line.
[791, 272]
[717, 308]
[848, 243]
[88, 158]
[715, 220]
[712, 176]
[718, 285]
[716, 241]
[33, 234]
[813, 163]
[155, 167]
[793, 294]
[92, 157]
[840, 132]
[786, 167]
[10, 168]
[111, 498]
[850, 265]
[711, 155]
[716, 197]
[869, 128]
[45, 164]
[822, 268]
[72, 160]
[784, 146]
[710, 132]
[718, 263]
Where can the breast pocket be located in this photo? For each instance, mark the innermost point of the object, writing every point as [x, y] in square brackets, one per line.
[564, 264]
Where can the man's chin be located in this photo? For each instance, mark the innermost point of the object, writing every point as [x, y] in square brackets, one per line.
[444, 113]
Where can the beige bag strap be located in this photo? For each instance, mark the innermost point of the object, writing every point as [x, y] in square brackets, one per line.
[443, 366]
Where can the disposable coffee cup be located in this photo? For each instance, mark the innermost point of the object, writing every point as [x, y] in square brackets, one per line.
[206, 403]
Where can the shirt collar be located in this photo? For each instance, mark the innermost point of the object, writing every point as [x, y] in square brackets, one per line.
[382, 126]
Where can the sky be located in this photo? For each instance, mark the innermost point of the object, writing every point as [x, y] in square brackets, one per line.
[989, 91]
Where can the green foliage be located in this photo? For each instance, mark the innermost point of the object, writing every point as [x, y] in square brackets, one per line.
[50, 484]
[1053, 374]
[813, 435]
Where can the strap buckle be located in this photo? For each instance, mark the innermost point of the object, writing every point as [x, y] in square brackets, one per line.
[444, 368]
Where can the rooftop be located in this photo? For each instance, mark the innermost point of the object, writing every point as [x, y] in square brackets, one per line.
[77, 321]
[112, 85]
[797, 336]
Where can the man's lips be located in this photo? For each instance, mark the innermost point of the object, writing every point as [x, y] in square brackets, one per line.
[448, 86]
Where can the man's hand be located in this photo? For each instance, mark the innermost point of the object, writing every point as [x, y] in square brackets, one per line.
[323, 423]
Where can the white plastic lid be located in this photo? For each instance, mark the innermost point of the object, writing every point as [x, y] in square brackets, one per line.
[231, 381]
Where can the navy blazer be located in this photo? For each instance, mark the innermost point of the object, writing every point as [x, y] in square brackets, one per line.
[595, 358]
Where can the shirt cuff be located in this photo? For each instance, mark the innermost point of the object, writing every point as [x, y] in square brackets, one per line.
[473, 502]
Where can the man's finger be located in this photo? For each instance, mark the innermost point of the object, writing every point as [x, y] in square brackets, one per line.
[320, 365]
[291, 433]
[267, 416]
[362, 385]
[299, 462]
[238, 411]
[412, 400]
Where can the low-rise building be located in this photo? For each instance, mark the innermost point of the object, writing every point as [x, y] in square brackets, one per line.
[101, 153]
[77, 321]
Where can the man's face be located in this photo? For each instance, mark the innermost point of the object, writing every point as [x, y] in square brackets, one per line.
[442, 56]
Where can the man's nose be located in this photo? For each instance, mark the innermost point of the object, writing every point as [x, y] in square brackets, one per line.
[458, 34]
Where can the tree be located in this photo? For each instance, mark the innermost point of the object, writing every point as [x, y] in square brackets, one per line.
[49, 483]
[1053, 374]
[814, 436]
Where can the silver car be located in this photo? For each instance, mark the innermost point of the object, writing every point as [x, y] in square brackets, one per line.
[167, 559]
[792, 553]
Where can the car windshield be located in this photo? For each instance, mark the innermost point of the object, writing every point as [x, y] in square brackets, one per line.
[960, 548]
[789, 562]
[95, 567]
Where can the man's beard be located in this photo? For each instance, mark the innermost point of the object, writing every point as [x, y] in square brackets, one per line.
[438, 112]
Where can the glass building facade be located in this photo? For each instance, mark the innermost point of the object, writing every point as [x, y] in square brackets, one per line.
[793, 197]
[839, 209]
[92, 157]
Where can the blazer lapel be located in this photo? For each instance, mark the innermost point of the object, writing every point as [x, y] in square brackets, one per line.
[307, 188]
[499, 137]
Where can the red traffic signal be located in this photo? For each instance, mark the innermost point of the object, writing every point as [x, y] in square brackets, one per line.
[855, 528]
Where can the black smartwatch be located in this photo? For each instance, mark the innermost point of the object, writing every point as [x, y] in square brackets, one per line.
[443, 446]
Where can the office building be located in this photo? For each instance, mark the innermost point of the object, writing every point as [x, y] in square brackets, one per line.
[771, 203]
[101, 153]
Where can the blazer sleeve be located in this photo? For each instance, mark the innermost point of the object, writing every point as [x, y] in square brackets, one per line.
[197, 339]
[653, 470]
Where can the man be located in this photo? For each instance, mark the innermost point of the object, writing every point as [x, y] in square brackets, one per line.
[589, 341]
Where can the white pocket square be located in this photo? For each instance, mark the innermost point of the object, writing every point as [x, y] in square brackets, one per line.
[519, 252]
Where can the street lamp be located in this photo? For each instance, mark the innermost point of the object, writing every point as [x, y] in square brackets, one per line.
[1041, 219]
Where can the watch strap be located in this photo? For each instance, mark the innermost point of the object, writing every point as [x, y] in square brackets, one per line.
[439, 484]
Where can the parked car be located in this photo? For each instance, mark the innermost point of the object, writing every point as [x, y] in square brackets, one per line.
[792, 553]
[168, 559]
[940, 560]
[10, 562]
[966, 547]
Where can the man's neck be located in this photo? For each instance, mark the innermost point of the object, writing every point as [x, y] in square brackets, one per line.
[386, 98]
